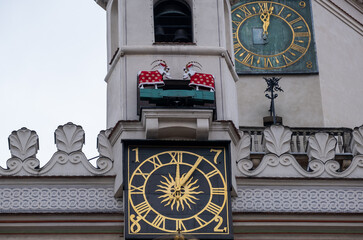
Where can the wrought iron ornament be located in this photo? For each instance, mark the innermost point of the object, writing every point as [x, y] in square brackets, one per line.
[272, 88]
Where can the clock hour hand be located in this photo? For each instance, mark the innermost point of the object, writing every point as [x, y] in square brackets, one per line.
[190, 172]
[265, 18]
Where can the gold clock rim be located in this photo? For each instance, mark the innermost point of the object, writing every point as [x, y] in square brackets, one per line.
[182, 219]
[280, 53]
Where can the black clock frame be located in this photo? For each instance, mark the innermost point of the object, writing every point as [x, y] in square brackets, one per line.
[148, 148]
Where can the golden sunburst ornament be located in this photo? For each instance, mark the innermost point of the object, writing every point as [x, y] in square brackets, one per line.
[179, 196]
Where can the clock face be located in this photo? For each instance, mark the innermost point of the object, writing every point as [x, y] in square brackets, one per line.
[173, 190]
[273, 37]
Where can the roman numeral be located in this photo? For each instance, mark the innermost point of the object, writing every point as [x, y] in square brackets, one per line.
[298, 48]
[302, 34]
[237, 47]
[248, 58]
[179, 225]
[236, 23]
[246, 11]
[200, 221]
[158, 221]
[139, 172]
[212, 173]
[218, 191]
[137, 190]
[156, 161]
[287, 60]
[176, 157]
[142, 208]
[295, 20]
[267, 63]
[280, 11]
[213, 208]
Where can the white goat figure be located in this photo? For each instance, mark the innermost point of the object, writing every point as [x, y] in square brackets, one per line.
[155, 77]
[198, 79]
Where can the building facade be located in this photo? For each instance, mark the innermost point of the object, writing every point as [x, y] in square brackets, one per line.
[186, 99]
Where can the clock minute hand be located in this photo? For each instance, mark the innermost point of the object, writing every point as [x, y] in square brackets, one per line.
[190, 172]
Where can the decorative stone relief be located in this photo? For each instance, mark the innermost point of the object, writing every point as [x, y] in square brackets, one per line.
[69, 160]
[357, 142]
[321, 146]
[277, 139]
[23, 144]
[295, 199]
[69, 138]
[243, 146]
[58, 199]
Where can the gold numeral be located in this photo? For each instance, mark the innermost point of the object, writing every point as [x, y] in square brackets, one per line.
[180, 226]
[212, 173]
[295, 20]
[176, 157]
[236, 23]
[159, 221]
[213, 208]
[135, 226]
[246, 11]
[287, 60]
[139, 172]
[156, 161]
[237, 47]
[248, 58]
[218, 191]
[298, 48]
[267, 63]
[280, 11]
[200, 221]
[142, 208]
[137, 190]
[302, 34]
[219, 221]
[136, 150]
[217, 154]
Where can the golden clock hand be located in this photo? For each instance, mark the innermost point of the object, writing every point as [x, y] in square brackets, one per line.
[190, 172]
[265, 18]
[177, 181]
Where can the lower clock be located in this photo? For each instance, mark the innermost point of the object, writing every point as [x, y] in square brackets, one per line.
[177, 189]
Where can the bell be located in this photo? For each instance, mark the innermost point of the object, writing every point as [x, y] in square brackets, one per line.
[159, 34]
[181, 36]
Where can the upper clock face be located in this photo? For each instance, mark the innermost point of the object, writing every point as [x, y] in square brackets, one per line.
[177, 190]
[273, 37]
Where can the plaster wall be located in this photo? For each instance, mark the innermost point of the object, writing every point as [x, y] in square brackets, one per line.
[339, 49]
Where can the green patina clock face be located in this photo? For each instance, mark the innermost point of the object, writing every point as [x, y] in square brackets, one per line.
[273, 36]
[177, 190]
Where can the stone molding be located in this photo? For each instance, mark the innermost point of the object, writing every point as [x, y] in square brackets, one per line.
[58, 199]
[279, 163]
[298, 199]
[69, 160]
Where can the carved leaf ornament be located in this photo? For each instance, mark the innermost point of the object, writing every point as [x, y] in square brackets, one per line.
[23, 143]
[322, 147]
[277, 139]
[357, 143]
[69, 138]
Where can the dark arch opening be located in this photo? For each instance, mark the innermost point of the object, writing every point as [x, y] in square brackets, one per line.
[172, 21]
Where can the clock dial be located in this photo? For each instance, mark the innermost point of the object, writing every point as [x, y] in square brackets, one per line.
[177, 190]
[272, 37]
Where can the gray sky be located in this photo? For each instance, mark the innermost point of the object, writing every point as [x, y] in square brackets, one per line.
[52, 69]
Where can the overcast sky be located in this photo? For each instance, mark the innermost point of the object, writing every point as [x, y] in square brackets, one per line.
[52, 69]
